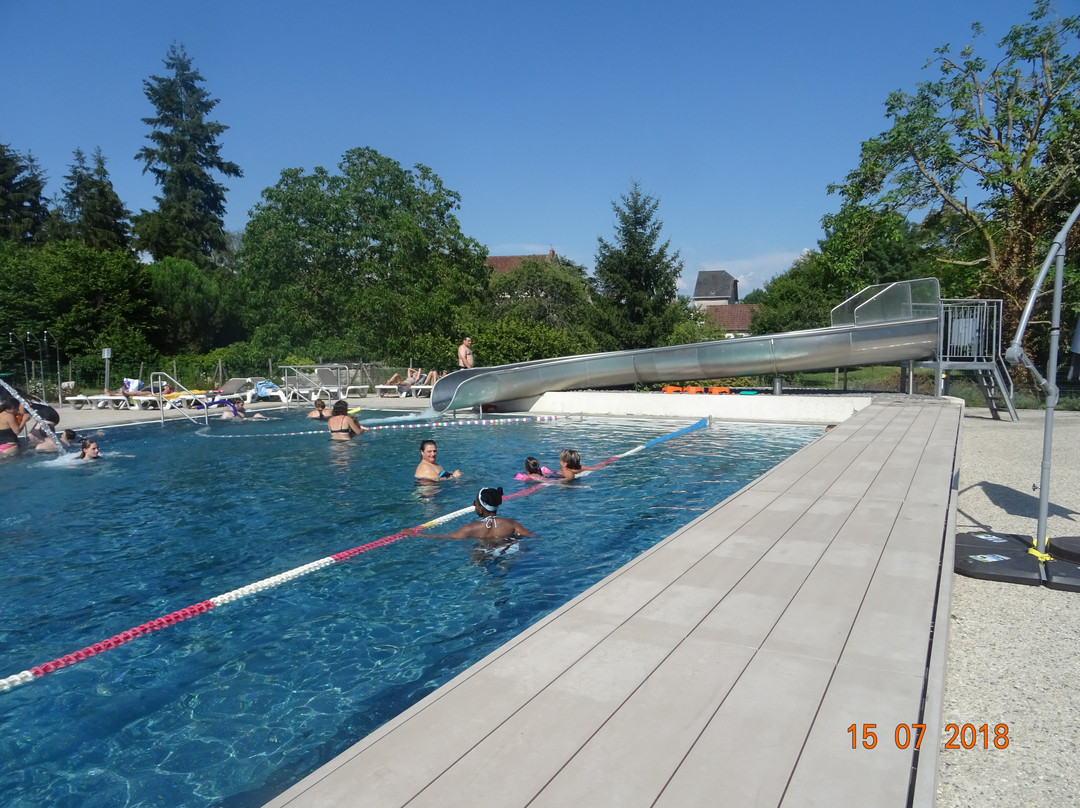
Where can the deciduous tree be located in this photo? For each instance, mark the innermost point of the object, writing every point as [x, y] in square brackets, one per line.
[993, 140]
[373, 255]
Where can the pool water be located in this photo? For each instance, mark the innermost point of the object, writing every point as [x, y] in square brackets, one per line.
[232, 706]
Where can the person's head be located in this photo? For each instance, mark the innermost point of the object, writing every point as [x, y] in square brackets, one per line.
[89, 450]
[10, 405]
[320, 404]
[71, 435]
[341, 407]
[488, 500]
[467, 341]
[532, 465]
[428, 450]
[240, 404]
[570, 458]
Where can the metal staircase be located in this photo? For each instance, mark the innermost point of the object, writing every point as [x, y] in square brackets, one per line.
[969, 340]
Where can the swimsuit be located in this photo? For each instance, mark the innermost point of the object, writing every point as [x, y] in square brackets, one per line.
[346, 429]
[443, 474]
[8, 438]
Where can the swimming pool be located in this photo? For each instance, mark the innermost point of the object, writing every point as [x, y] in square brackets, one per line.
[231, 707]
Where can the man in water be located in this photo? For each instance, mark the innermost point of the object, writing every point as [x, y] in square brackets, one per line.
[428, 471]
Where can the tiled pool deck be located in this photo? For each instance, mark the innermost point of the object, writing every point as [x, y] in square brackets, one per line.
[723, 667]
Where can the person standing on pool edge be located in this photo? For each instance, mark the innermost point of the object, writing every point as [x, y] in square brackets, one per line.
[464, 354]
[428, 471]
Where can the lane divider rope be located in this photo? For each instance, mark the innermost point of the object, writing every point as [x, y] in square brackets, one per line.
[405, 425]
[180, 615]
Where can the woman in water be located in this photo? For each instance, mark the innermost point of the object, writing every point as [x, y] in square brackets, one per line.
[428, 471]
[89, 450]
[12, 416]
[491, 528]
[343, 426]
[319, 411]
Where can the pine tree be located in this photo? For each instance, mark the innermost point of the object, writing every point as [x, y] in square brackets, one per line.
[188, 222]
[636, 281]
[22, 203]
[91, 211]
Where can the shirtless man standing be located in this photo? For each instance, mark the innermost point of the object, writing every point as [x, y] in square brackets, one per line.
[464, 353]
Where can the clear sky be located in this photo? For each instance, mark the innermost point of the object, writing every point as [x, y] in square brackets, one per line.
[736, 116]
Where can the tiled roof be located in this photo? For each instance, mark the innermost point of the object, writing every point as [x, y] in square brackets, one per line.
[715, 284]
[501, 264]
[735, 317]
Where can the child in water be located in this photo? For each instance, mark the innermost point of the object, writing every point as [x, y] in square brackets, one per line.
[533, 471]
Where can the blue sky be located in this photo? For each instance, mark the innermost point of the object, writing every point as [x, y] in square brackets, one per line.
[539, 115]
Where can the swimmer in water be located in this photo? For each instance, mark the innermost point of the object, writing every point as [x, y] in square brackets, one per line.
[492, 529]
[428, 471]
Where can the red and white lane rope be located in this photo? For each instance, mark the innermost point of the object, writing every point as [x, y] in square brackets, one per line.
[181, 615]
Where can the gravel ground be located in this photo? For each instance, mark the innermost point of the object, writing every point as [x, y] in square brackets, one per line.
[1013, 649]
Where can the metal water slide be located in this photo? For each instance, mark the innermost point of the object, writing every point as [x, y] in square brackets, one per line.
[882, 324]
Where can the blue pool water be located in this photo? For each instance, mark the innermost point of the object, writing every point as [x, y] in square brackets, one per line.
[231, 707]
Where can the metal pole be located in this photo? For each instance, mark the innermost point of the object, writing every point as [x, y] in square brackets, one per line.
[1051, 402]
[44, 395]
[25, 368]
[59, 377]
[39, 356]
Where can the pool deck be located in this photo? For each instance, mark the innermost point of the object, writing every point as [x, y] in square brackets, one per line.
[723, 666]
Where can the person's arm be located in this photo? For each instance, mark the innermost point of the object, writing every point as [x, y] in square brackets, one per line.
[464, 532]
[354, 425]
[519, 529]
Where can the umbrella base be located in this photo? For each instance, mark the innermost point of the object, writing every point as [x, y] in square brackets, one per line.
[997, 557]
[1064, 548]
[1063, 575]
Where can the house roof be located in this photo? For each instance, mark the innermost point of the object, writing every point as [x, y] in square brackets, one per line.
[734, 317]
[713, 284]
[501, 264]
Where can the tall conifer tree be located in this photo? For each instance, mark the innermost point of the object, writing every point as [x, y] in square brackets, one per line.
[188, 222]
[92, 212]
[636, 279]
[22, 203]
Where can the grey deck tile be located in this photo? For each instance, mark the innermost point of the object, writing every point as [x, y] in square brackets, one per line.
[651, 732]
[830, 772]
[821, 615]
[556, 723]
[748, 750]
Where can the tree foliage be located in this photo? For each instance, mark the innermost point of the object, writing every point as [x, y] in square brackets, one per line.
[22, 203]
[636, 278]
[1005, 131]
[188, 222]
[191, 302]
[87, 299]
[91, 211]
[373, 255]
